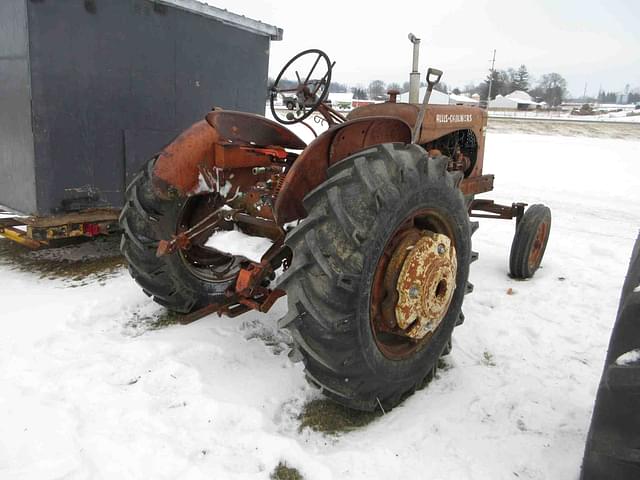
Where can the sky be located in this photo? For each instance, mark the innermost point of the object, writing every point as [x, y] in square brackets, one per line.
[597, 43]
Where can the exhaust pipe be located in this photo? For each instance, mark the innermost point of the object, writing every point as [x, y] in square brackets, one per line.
[414, 76]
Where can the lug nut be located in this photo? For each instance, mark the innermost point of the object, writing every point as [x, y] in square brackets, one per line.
[441, 248]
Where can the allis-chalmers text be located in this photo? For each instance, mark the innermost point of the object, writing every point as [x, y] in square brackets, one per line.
[454, 118]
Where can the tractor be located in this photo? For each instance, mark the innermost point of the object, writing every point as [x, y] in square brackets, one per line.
[368, 225]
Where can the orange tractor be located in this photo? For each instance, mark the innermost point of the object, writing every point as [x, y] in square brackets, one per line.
[369, 224]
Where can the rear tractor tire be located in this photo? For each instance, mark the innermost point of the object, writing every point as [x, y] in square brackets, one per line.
[379, 272]
[530, 242]
[183, 281]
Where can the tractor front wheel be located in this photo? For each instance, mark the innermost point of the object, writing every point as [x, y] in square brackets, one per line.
[530, 242]
[378, 275]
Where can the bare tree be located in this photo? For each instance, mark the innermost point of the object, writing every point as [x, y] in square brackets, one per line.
[471, 88]
[394, 86]
[553, 88]
[441, 87]
[377, 89]
[336, 87]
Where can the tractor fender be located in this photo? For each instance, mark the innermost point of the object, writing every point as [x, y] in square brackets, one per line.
[310, 168]
[179, 167]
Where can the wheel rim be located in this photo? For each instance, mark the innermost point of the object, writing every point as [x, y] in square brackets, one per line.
[413, 284]
[205, 263]
[537, 249]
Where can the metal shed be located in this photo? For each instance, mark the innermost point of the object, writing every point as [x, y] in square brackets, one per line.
[90, 89]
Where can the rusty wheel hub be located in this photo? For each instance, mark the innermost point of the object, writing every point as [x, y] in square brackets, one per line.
[425, 285]
[203, 262]
[413, 285]
[535, 256]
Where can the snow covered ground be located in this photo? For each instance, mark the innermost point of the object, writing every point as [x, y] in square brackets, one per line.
[96, 381]
[628, 114]
[605, 130]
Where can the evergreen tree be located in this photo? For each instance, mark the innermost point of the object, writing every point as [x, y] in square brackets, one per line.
[606, 97]
[601, 96]
[359, 93]
[510, 76]
[520, 79]
[499, 85]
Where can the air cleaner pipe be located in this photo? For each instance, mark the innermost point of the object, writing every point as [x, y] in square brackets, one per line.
[414, 76]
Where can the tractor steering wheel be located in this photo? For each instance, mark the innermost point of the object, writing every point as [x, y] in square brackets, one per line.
[304, 94]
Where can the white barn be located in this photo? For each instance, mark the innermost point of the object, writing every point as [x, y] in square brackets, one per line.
[437, 98]
[463, 100]
[517, 100]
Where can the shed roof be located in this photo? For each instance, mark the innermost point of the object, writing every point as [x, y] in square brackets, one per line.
[462, 98]
[225, 16]
[520, 95]
[437, 98]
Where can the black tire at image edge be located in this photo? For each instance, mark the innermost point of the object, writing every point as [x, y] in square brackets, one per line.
[612, 451]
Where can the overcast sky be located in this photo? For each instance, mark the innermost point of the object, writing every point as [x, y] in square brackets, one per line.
[597, 42]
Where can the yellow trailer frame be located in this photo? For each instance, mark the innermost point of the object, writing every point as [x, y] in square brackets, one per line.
[38, 232]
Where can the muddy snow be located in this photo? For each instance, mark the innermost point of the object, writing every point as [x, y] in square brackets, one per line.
[96, 381]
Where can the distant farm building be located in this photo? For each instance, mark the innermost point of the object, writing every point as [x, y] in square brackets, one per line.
[463, 100]
[622, 98]
[518, 100]
[437, 98]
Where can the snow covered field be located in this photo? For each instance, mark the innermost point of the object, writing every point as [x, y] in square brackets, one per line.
[605, 130]
[623, 113]
[96, 381]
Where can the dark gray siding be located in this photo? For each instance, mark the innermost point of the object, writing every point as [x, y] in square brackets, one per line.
[17, 180]
[115, 80]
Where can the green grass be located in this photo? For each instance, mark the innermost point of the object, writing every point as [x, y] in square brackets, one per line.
[155, 321]
[284, 472]
[101, 260]
[487, 359]
[329, 417]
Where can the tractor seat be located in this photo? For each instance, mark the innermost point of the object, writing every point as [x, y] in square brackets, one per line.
[250, 129]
